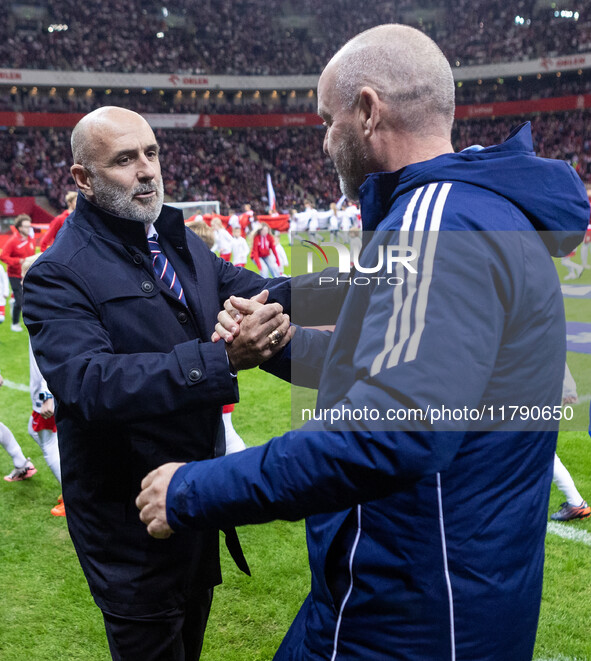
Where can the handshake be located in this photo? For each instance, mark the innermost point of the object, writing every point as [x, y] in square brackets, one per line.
[253, 330]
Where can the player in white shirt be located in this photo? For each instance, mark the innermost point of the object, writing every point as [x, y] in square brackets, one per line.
[574, 507]
[4, 292]
[585, 247]
[42, 427]
[574, 270]
[42, 423]
[223, 240]
[240, 248]
[354, 244]
[312, 215]
[281, 254]
[234, 221]
[334, 222]
[352, 213]
[293, 225]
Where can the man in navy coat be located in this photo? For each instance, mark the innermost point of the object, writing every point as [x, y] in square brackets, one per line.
[425, 541]
[126, 352]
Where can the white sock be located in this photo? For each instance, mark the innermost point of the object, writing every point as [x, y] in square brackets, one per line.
[565, 483]
[9, 443]
[51, 452]
[233, 441]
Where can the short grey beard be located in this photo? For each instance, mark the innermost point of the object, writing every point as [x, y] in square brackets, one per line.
[353, 161]
[117, 200]
[349, 191]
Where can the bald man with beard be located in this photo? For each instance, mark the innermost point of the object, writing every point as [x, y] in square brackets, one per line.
[126, 353]
[425, 539]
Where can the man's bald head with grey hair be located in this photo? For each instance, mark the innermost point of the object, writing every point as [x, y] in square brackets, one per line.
[116, 163]
[406, 69]
[387, 101]
[86, 140]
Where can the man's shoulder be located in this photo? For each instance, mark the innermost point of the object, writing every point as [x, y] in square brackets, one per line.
[72, 239]
[453, 205]
[468, 206]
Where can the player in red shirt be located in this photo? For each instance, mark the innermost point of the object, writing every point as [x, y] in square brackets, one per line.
[262, 246]
[56, 224]
[16, 250]
[246, 219]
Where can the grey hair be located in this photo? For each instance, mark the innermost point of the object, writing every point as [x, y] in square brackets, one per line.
[407, 70]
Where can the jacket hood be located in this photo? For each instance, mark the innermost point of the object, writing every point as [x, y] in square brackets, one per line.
[548, 192]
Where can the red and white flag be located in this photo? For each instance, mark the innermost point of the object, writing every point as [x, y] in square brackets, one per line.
[271, 195]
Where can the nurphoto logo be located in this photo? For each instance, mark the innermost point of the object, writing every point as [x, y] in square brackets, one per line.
[388, 258]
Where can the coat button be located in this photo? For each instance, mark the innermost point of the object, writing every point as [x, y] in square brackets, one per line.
[183, 317]
[137, 259]
[194, 375]
[147, 286]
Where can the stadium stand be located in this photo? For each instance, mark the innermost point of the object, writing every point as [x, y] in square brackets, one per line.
[270, 37]
[230, 165]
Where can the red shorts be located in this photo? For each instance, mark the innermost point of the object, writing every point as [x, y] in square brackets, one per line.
[40, 423]
[226, 256]
[228, 408]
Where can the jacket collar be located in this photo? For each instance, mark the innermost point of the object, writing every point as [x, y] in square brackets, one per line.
[380, 189]
[169, 224]
[376, 197]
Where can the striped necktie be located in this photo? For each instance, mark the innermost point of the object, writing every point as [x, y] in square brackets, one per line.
[163, 269]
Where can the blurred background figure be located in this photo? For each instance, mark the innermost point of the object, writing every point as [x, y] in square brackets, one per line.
[264, 252]
[575, 507]
[281, 254]
[574, 270]
[56, 224]
[23, 467]
[333, 222]
[42, 427]
[203, 231]
[234, 442]
[20, 246]
[4, 293]
[223, 240]
[239, 247]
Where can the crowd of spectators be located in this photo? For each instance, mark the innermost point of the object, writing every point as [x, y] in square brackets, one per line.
[224, 165]
[513, 89]
[231, 165]
[565, 136]
[36, 162]
[274, 36]
[225, 36]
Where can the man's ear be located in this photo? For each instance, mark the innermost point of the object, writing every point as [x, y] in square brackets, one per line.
[369, 110]
[82, 178]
